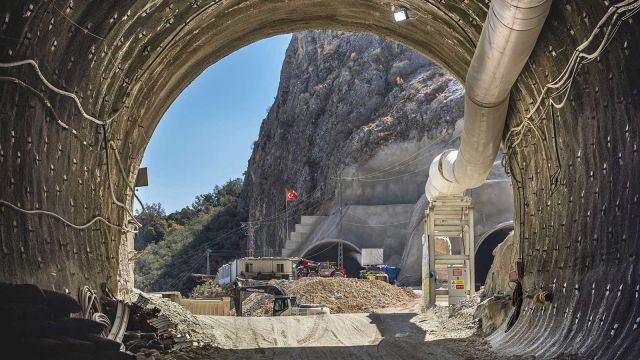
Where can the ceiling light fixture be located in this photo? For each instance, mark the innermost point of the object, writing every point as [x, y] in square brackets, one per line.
[400, 14]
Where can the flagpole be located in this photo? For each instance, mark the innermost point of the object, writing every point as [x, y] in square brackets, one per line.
[286, 213]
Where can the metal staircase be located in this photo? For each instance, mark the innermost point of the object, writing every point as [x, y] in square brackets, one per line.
[450, 217]
[301, 233]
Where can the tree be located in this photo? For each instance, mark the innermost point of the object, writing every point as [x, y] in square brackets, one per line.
[229, 193]
[153, 225]
[224, 195]
[182, 217]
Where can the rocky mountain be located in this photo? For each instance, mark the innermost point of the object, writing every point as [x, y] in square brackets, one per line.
[347, 104]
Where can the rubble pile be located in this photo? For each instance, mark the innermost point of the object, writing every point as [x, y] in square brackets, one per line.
[445, 322]
[257, 304]
[159, 325]
[493, 312]
[341, 295]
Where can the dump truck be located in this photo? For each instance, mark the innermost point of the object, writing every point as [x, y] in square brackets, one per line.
[283, 304]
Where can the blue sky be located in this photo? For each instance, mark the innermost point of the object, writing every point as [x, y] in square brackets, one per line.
[205, 137]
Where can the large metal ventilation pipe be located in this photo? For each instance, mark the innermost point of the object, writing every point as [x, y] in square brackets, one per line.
[507, 39]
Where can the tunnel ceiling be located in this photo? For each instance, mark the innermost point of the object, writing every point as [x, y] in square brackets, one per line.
[573, 155]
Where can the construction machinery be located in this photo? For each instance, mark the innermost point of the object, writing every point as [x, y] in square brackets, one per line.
[374, 273]
[386, 273]
[308, 268]
[283, 304]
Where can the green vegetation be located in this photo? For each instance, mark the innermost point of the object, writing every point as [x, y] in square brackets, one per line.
[174, 246]
[208, 289]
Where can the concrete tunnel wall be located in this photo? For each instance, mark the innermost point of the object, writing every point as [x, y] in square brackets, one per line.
[574, 169]
[386, 209]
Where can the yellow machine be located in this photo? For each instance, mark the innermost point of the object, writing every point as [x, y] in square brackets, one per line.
[374, 275]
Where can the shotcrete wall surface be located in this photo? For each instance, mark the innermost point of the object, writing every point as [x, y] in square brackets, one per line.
[382, 204]
[574, 161]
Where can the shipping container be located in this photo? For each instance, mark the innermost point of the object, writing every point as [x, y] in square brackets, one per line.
[372, 257]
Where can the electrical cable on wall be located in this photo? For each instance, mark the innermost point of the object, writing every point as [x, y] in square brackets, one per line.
[563, 83]
[75, 226]
[40, 95]
[85, 30]
[75, 132]
[57, 90]
[124, 176]
[107, 162]
[47, 103]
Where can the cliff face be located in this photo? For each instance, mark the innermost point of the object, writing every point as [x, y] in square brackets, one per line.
[342, 99]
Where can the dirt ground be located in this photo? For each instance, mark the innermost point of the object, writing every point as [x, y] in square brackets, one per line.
[402, 332]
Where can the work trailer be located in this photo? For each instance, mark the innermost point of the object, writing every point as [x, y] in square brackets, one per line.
[257, 268]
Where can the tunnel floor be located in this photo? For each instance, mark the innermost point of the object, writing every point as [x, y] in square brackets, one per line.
[393, 333]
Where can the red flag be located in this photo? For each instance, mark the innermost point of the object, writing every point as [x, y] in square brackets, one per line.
[291, 195]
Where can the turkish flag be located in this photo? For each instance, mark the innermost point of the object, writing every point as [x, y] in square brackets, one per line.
[291, 195]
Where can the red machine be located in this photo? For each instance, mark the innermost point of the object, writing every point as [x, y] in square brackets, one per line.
[308, 268]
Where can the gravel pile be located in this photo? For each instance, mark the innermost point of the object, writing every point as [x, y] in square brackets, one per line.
[341, 295]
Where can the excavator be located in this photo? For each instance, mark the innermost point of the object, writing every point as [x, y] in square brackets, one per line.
[283, 304]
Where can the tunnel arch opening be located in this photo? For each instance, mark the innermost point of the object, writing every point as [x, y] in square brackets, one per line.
[131, 84]
[327, 250]
[484, 251]
[184, 55]
[135, 67]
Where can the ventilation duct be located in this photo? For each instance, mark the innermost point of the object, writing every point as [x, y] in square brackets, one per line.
[507, 39]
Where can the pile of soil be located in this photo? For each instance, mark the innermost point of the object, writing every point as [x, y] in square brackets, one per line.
[341, 295]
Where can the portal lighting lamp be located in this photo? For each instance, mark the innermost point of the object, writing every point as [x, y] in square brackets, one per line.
[400, 14]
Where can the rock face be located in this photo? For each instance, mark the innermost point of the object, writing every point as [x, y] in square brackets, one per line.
[354, 127]
[343, 98]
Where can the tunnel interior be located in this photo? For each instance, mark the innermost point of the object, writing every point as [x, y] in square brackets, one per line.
[75, 73]
[328, 251]
[484, 253]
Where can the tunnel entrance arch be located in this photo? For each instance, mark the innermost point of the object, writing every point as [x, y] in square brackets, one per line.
[127, 61]
[133, 72]
[484, 250]
[327, 250]
[185, 55]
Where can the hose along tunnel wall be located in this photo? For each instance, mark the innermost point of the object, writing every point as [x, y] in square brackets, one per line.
[572, 147]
